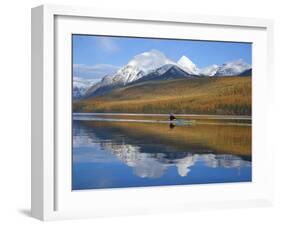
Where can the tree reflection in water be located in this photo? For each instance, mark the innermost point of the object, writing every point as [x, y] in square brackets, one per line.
[152, 149]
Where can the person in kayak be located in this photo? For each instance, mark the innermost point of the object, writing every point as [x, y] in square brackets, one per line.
[172, 117]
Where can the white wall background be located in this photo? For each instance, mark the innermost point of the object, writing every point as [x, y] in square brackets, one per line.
[15, 111]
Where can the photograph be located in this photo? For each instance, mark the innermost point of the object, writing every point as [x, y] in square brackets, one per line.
[158, 112]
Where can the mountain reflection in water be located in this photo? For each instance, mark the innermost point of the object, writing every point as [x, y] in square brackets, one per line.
[122, 154]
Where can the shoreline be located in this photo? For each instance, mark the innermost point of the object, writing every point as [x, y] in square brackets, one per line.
[228, 117]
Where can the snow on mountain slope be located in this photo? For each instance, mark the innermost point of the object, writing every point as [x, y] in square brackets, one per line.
[247, 72]
[166, 72]
[141, 65]
[155, 64]
[209, 71]
[188, 66]
[149, 61]
[231, 68]
[80, 86]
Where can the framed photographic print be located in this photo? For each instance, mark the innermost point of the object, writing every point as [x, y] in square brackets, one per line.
[137, 112]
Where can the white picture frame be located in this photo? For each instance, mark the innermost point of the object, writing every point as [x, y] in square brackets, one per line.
[52, 197]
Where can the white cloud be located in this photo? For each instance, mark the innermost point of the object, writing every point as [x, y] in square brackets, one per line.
[93, 71]
[107, 44]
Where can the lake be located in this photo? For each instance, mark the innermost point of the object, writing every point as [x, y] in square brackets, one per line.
[116, 151]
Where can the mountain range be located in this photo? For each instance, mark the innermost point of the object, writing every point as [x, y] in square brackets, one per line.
[154, 65]
[81, 85]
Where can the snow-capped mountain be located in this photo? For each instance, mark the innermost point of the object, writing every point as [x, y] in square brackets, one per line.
[233, 68]
[230, 68]
[81, 85]
[154, 65]
[140, 66]
[210, 70]
[188, 66]
[246, 72]
[166, 72]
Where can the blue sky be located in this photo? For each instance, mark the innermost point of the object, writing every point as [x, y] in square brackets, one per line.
[95, 56]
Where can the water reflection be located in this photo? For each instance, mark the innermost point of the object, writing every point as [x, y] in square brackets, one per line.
[154, 151]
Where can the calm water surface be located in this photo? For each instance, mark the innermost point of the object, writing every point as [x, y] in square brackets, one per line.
[119, 153]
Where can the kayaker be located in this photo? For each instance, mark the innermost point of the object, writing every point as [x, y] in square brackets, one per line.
[172, 117]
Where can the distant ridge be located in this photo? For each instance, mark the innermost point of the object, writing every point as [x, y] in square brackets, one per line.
[225, 95]
[246, 73]
[154, 65]
[172, 72]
